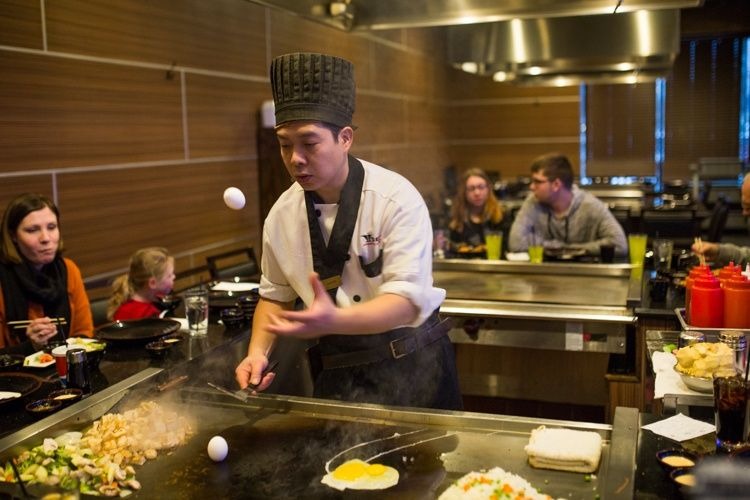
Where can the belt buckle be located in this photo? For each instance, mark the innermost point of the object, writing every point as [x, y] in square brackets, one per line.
[394, 353]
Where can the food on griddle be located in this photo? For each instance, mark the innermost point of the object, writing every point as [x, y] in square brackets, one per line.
[217, 448]
[564, 449]
[100, 461]
[359, 475]
[703, 359]
[495, 483]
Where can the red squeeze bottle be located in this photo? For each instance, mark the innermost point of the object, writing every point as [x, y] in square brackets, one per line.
[726, 272]
[694, 273]
[707, 303]
[737, 302]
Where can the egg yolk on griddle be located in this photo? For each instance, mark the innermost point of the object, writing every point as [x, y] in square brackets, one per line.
[349, 471]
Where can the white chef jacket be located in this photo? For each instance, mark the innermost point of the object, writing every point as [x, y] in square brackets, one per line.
[392, 217]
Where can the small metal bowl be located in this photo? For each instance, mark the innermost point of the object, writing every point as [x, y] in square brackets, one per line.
[673, 458]
[44, 406]
[700, 384]
[66, 396]
[233, 318]
[171, 340]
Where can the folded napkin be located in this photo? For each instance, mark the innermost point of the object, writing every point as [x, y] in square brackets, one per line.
[564, 449]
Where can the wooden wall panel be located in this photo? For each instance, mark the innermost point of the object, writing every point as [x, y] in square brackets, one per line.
[466, 86]
[222, 115]
[10, 187]
[426, 121]
[215, 35]
[371, 116]
[291, 34]
[511, 160]
[108, 215]
[60, 113]
[513, 120]
[21, 23]
[422, 165]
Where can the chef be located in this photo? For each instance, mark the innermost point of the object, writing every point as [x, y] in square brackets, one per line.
[352, 242]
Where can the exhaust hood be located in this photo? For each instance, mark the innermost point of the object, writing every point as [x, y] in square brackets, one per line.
[390, 14]
[612, 48]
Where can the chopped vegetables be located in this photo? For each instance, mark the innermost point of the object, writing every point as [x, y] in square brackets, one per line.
[100, 461]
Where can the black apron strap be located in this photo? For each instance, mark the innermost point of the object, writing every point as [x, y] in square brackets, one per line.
[328, 261]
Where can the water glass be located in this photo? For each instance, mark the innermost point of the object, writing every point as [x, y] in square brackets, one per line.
[663, 255]
[494, 242]
[637, 248]
[196, 310]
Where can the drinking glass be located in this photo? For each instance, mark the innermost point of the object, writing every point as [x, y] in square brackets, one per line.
[536, 254]
[663, 255]
[196, 310]
[494, 242]
[730, 410]
[637, 248]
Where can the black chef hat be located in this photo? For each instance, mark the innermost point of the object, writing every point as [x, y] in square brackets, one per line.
[310, 86]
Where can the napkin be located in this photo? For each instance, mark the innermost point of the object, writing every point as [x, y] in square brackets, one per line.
[564, 449]
[667, 380]
[230, 286]
[680, 427]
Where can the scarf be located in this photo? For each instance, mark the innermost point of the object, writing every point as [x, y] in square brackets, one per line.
[22, 285]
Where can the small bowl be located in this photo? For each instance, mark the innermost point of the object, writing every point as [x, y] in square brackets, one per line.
[683, 477]
[158, 349]
[700, 384]
[672, 458]
[171, 340]
[66, 396]
[44, 406]
[233, 318]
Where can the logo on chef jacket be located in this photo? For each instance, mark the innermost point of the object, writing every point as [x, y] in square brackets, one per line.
[371, 240]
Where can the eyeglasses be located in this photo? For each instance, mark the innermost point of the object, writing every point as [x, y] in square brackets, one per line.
[478, 187]
[539, 181]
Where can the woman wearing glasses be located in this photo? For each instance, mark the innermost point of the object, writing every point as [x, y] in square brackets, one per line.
[475, 211]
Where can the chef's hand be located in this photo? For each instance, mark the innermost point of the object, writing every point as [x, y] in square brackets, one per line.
[39, 331]
[249, 372]
[705, 248]
[318, 319]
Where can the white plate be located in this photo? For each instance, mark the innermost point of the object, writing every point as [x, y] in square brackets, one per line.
[9, 395]
[32, 361]
[517, 256]
[230, 286]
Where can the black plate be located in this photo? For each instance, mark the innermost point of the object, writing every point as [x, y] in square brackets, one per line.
[18, 382]
[564, 253]
[137, 329]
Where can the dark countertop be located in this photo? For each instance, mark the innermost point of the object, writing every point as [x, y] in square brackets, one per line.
[675, 297]
[123, 360]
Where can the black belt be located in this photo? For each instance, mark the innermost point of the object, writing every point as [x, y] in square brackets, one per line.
[411, 340]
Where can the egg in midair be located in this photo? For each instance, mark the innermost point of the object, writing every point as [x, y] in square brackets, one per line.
[218, 448]
[234, 198]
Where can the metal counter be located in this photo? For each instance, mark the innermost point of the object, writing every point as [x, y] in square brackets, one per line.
[559, 306]
[279, 445]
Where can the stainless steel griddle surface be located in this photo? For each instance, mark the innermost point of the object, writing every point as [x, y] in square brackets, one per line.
[278, 451]
[534, 288]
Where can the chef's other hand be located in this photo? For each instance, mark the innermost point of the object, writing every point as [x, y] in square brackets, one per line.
[707, 249]
[249, 372]
[319, 319]
[39, 331]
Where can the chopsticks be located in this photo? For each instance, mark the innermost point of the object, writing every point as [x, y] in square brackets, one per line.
[701, 257]
[26, 322]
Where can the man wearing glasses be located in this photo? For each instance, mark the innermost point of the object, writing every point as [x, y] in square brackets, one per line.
[557, 214]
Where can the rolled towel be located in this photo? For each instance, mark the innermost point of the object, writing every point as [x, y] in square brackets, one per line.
[564, 449]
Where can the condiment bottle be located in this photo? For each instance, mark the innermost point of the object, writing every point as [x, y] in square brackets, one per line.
[727, 272]
[737, 302]
[694, 273]
[78, 370]
[738, 343]
[707, 303]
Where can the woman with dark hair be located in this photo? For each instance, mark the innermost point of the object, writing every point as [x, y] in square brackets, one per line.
[475, 210]
[38, 284]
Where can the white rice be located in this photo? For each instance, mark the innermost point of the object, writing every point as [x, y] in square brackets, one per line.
[483, 485]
